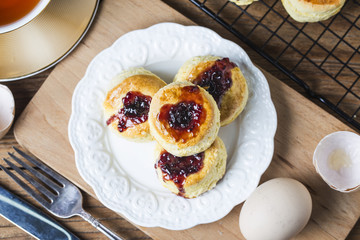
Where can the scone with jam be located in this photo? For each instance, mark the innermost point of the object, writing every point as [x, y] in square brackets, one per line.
[222, 78]
[184, 118]
[193, 175]
[127, 104]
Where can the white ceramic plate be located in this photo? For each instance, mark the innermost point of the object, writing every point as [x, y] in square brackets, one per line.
[122, 173]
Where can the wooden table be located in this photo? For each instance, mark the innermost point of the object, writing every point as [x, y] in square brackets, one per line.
[24, 90]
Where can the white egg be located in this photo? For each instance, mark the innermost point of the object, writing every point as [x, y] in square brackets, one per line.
[7, 109]
[277, 210]
[337, 160]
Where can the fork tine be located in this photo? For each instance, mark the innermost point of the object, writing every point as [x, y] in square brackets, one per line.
[31, 192]
[37, 185]
[36, 173]
[43, 167]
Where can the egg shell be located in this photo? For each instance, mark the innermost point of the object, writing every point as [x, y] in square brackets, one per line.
[277, 210]
[7, 109]
[341, 173]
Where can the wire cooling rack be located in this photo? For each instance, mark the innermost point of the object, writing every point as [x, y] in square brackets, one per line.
[314, 55]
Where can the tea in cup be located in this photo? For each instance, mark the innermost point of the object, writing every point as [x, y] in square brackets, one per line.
[17, 13]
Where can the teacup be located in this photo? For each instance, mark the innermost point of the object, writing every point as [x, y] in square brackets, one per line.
[16, 13]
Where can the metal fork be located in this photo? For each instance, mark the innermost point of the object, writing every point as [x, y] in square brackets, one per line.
[65, 199]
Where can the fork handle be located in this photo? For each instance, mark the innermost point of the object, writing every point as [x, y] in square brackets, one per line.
[85, 215]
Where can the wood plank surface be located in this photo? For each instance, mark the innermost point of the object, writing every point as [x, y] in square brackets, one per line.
[293, 144]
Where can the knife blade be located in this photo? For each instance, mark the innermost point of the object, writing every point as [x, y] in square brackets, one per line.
[31, 219]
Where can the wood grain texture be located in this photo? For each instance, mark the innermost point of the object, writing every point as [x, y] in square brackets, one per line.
[291, 143]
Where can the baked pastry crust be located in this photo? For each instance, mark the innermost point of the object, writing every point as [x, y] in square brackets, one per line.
[132, 80]
[234, 99]
[242, 2]
[214, 166]
[192, 141]
[312, 10]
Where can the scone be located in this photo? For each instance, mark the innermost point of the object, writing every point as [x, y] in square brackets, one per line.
[127, 104]
[312, 10]
[222, 79]
[242, 2]
[184, 118]
[193, 175]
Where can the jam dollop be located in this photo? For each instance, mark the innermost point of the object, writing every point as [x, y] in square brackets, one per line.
[184, 116]
[135, 110]
[177, 169]
[183, 119]
[216, 79]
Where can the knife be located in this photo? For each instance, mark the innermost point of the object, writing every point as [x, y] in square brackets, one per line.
[31, 219]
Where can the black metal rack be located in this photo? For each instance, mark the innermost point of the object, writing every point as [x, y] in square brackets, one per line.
[331, 49]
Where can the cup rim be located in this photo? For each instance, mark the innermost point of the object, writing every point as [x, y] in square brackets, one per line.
[26, 19]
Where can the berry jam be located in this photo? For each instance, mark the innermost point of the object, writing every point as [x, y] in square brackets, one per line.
[135, 111]
[216, 79]
[183, 119]
[178, 168]
[184, 116]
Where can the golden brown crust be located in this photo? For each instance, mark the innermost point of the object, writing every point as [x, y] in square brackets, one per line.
[233, 101]
[214, 166]
[171, 94]
[142, 81]
[312, 10]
